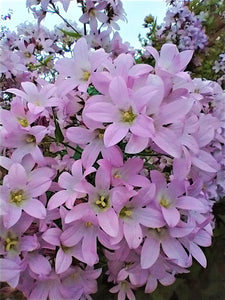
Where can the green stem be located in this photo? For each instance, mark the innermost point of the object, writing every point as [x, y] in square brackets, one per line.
[56, 10]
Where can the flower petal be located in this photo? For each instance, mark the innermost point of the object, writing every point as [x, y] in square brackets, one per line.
[108, 220]
[62, 261]
[35, 208]
[150, 252]
[114, 133]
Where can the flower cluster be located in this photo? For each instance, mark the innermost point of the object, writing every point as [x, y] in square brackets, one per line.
[197, 25]
[181, 27]
[112, 164]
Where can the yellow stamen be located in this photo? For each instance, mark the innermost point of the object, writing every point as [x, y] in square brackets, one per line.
[128, 116]
[164, 202]
[10, 244]
[125, 212]
[86, 75]
[23, 122]
[88, 224]
[31, 139]
[102, 202]
[17, 197]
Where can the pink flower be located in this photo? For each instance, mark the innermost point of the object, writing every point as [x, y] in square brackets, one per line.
[26, 141]
[10, 270]
[94, 13]
[135, 213]
[36, 97]
[74, 186]
[172, 248]
[170, 59]
[78, 70]
[100, 202]
[92, 143]
[124, 289]
[20, 192]
[122, 112]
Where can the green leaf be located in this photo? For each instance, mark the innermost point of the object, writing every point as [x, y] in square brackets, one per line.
[92, 91]
[77, 153]
[73, 34]
[58, 133]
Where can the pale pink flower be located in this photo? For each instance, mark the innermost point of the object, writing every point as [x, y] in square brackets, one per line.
[122, 113]
[37, 98]
[94, 14]
[78, 70]
[170, 198]
[20, 192]
[124, 289]
[74, 186]
[92, 143]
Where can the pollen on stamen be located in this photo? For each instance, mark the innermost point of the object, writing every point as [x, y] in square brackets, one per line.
[125, 212]
[88, 224]
[17, 197]
[128, 116]
[31, 139]
[102, 202]
[164, 202]
[10, 244]
[86, 75]
[23, 122]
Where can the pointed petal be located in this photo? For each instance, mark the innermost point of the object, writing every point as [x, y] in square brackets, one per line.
[108, 220]
[35, 208]
[76, 213]
[12, 216]
[52, 236]
[150, 217]
[39, 264]
[58, 199]
[89, 247]
[133, 234]
[114, 133]
[119, 93]
[174, 250]
[191, 203]
[171, 216]
[17, 176]
[79, 135]
[198, 254]
[62, 261]
[150, 252]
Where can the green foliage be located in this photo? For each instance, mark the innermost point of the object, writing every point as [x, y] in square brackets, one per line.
[75, 35]
[92, 91]
[214, 24]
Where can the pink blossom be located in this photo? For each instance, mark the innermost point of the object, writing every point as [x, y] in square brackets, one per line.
[74, 186]
[122, 113]
[36, 97]
[79, 69]
[19, 192]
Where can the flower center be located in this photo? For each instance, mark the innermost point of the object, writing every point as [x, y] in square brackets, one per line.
[159, 232]
[92, 12]
[128, 116]
[88, 224]
[164, 202]
[23, 122]
[10, 243]
[117, 174]
[86, 75]
[125, 212]
[31, 139]
[101, 133]
[17, 197]
[65, 248]
[102, 202]
[27, 54]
